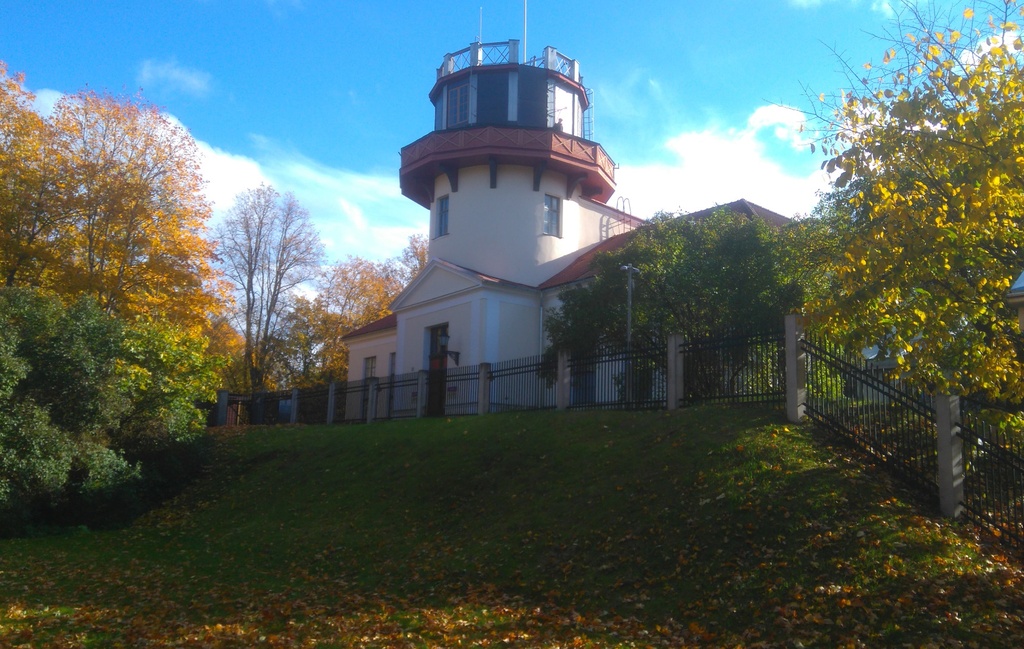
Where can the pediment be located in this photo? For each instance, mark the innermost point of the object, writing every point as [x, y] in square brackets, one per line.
[438, 280]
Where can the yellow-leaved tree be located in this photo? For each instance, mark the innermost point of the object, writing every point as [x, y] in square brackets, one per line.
[929, 159]
[104, 198]
[30, 216]
[132, 192]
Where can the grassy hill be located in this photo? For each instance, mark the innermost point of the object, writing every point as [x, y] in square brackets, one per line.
[704, 527]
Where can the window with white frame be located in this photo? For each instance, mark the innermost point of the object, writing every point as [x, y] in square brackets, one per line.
[552, 215]
[458, 104]
[441, 221]
[369, 367]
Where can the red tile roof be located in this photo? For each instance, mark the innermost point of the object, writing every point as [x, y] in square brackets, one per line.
[581, 267]
[745, 208]
[389, 321]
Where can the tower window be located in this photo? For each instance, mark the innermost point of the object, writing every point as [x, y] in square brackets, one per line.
[441, 225]
[552, 215]
[458, 104]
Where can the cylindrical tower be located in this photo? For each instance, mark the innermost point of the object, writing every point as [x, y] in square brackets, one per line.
[507, 172]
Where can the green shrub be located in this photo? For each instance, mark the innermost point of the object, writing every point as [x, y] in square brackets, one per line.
[97, 416]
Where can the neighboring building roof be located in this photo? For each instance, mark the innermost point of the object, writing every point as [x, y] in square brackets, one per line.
[389, 321]
[746, 208]
[1018, 286]
[582, 267]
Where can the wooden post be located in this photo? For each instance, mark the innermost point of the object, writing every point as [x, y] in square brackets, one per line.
[796, 370]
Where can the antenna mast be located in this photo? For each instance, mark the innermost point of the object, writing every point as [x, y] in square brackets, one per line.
[525, 51]
[480, 32]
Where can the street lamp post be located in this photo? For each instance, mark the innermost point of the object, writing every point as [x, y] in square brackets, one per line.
[630, 270]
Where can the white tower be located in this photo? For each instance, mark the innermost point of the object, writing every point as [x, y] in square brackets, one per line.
[517, 196]
[507, 166]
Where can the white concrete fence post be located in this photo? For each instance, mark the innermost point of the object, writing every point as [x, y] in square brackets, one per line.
[563, 383]
[421, 393]
[796, 370]
[483, 398]
[293, 416]
[222, 408]
[331, 387]
[951, 455]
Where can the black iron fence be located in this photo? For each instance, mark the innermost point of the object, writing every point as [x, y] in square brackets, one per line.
[892, 422]
[735, 369]
[312, 405]
[462, 390]
[993, 458]
[238, 410]
[523, 384]
[617, 379]
[397, 396]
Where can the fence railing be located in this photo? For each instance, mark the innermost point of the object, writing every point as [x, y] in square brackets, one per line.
[505, 53]
[618, 379]
[462, 390]
[523, 384]
[735, 369]
[398, 396]
[958, 452]
[880, 414]
[993, 469]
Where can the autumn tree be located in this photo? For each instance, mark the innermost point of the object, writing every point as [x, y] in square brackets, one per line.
[31, 220]
[104, 198]
[932, 237]
[413, 258]
[269, 247]
[349, 294]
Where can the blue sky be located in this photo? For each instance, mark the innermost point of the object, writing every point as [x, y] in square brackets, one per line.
[697, 102]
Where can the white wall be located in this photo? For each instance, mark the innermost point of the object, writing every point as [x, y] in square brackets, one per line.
[499, 232]
[379, 344]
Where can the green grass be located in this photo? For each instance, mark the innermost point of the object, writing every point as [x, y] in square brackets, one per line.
[703, 527]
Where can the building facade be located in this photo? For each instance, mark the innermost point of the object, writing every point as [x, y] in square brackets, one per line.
[517, 195]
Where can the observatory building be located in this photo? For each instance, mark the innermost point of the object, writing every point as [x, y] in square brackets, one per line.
[517, 193]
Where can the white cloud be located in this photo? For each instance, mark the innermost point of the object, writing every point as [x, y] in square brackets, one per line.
[356, 213]
[227, 175]
[715, 166]
[883, 7]
[170, 76]
[45, 100]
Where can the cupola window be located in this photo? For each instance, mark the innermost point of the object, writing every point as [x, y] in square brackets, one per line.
[458, 104]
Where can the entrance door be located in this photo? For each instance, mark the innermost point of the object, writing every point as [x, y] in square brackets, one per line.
[437, 383]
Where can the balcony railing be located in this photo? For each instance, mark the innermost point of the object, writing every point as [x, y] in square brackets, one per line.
[507, 53]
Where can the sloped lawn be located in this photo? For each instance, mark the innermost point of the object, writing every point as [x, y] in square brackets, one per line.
[705, 527]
